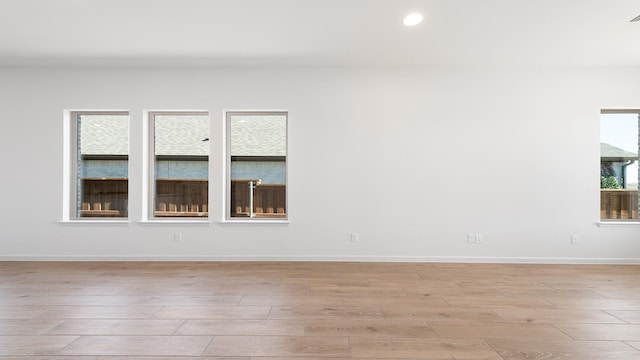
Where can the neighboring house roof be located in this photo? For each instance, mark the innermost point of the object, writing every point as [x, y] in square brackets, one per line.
[104, 134]
[612, 153]
[183, 136]
[261, 135]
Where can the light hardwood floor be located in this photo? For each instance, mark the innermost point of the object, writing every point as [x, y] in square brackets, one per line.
[302, 310]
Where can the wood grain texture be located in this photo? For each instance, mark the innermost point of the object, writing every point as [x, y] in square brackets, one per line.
[563, 349]
[435, 349]
[26, 345]
[137, 345]
[632, 317]
[313, 311]
[242, 327]
[278, 346]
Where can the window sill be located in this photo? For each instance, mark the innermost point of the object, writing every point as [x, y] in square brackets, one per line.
[256, 221]
[95, 222]
[198, 222]
[618, 224]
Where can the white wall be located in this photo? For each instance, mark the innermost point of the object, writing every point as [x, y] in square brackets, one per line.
[411, 159]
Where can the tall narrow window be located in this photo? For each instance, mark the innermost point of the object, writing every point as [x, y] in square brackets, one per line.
[181, 164]
[619, 147]
[257, 156]
[100, 164]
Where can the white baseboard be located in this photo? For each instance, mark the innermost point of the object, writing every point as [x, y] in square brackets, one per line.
[337, 258]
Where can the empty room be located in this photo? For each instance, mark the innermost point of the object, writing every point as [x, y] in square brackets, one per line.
[319, 179]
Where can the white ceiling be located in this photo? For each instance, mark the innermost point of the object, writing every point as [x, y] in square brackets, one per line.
[318, 33]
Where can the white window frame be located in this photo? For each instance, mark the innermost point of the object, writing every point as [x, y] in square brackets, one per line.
[149, 196]
[70, 166]
[227, 168]
[612, 222]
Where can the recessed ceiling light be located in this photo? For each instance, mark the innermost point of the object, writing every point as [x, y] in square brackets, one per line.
[413, 19]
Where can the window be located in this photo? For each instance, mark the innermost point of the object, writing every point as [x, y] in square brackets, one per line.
[619, 146]
[256, 165]
[180, 164]
[100, 157]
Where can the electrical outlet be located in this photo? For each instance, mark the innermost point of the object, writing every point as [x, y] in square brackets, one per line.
[475, 238]
[355, 237]
[575, 239]
[177, 236]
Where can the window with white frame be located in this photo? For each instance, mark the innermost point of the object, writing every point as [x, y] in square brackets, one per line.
[619, 176]
[99, 164]
[256, 165]
[180, 166]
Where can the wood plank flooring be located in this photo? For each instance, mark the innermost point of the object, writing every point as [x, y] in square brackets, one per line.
[313, 311]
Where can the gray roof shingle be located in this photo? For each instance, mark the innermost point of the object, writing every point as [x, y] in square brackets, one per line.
[258, 135]
[104, 134]
[612, 153]
[183, 135]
